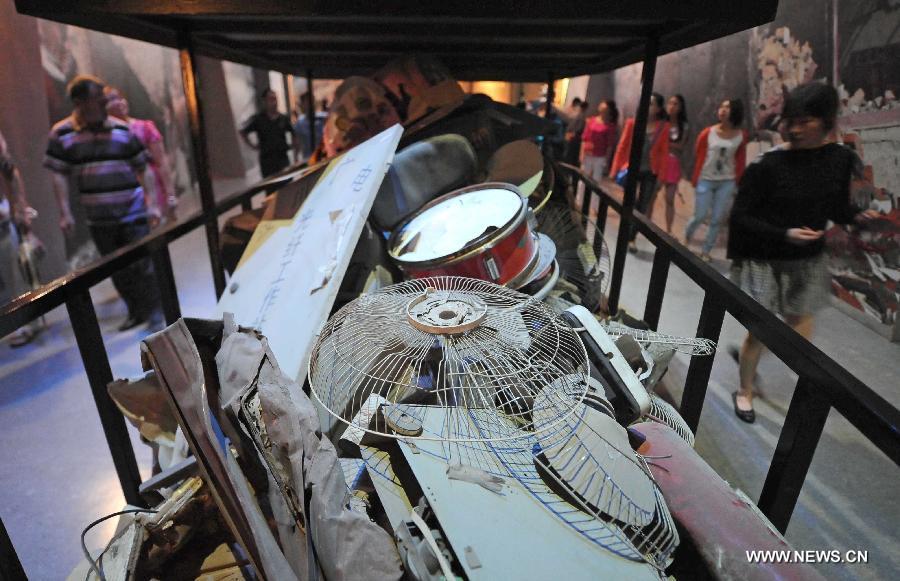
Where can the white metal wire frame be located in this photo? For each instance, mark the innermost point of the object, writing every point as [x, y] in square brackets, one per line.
[507, 397]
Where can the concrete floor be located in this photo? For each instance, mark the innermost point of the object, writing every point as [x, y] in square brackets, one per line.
[57, 476]
[847, 501]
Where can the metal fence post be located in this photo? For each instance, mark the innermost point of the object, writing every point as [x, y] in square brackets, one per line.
[287, 83]
[634, 162]
[712, 315]
[165, 278]
[96, 365]
[551, 94]
[602, 213]
[794, 452]
[311, 114]
[587, 196]
[201, 157]
[10, 566]
[657, 289]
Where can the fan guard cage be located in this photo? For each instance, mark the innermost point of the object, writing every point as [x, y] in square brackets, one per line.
[581, 252]
[369, 357]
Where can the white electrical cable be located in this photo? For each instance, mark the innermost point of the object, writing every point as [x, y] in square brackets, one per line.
[429, 538]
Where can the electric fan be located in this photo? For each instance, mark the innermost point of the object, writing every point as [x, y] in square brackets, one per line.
[485, 377]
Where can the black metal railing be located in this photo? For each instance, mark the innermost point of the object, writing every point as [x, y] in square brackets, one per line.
[822, 385]
[73, 291]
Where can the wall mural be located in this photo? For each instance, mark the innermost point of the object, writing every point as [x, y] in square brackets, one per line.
[869, 54]
[782, 64]
[866, 265]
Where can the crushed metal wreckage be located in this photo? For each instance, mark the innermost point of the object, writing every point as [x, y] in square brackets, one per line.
[424, 490]
[390, 395]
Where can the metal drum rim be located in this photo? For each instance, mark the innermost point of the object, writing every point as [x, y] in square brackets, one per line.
[473, 248]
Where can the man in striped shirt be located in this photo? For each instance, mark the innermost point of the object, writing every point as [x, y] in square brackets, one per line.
[107, 165]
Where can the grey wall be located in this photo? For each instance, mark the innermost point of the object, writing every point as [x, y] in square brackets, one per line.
[25, 123]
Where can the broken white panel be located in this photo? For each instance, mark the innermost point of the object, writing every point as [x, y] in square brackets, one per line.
[511, 536]
[287, 288]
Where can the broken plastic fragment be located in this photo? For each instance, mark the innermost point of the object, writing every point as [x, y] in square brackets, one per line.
[325, 271]
[477, 476]
[471, 558]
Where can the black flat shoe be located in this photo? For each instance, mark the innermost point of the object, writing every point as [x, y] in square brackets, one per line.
[132, 321]
[748, 416]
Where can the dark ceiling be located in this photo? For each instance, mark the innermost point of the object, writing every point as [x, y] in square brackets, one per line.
[522, 40]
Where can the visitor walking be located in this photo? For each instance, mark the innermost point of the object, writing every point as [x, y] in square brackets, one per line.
[598, 139]
[15, 221]
[575, 130]
[271, 128]
[150, 137]
[654, 156]
[719, 160]
[107, 164]
[777, 225]
[301, 127]
[678, 138]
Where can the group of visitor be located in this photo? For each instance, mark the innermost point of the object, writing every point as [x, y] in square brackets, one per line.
[777, 207]
[116, 169]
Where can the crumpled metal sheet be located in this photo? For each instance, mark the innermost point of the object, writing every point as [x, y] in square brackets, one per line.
[237, 361]
[212, 371]
[242, 364]
[175, 354]
[348, 545]
[144, 404]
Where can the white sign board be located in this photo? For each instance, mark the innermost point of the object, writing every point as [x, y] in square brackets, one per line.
[287, 287]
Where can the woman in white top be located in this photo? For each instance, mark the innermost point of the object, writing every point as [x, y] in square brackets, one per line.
[720, 157]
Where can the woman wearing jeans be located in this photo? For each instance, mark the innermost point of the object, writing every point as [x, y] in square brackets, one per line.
[721, 154]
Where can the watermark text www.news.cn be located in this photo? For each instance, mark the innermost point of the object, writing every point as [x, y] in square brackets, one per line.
[808, 556]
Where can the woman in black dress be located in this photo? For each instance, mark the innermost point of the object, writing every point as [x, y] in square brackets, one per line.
[776, 237]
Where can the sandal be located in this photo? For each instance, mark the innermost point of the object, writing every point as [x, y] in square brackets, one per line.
[22, 337]
[748, 416]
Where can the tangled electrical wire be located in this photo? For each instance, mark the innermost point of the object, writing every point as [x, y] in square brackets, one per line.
[87, 554]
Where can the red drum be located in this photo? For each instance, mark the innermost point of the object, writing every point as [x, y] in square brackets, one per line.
[480, 232]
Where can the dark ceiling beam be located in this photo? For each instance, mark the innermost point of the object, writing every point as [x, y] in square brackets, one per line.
[726, 11]
[450, 54]
[263, 40]
[351, 27]
[494, 33]
[236, 54]
[528, 75]
[128, 26]
[687, 36]
[512, 18]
